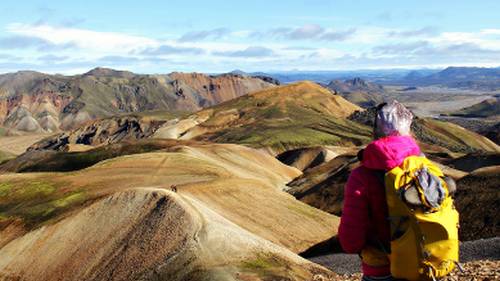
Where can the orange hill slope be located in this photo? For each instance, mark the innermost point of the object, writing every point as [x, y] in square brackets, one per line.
[228, 218]
[149, 234]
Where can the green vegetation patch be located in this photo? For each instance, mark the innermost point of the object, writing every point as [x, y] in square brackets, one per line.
[30, 190]
[266, 265]
[258, 264]
[287, 134]
[37, 201]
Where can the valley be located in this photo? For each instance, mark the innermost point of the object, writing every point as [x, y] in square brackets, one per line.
[241, 181]
[249, 140]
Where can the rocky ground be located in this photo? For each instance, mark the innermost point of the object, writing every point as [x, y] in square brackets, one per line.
[484, 270]
[480, 260]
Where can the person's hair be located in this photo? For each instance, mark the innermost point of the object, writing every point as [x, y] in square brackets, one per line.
[377, 109]
[392, 119]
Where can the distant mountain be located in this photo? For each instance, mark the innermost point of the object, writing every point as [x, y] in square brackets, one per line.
[415, 75]
[355, 85]
[239, 72]
[466, 73]
[260, 75]
[37, 102]
[358, 91]
[325, 76]
[108, 72]
[476, 78]
[451, 76]
[486, 108]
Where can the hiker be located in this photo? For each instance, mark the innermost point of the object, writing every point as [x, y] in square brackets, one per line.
[365, 226]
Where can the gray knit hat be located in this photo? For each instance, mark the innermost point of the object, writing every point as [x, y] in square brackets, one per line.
[392, 119]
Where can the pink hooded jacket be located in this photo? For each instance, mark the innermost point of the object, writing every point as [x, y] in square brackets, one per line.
[364, 214]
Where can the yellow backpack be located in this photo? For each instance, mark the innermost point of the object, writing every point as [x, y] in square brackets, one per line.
[424, 221]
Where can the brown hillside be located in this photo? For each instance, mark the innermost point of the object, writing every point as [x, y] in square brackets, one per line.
[36, 102]
[149, 234]
[219, 88]
[240, 183]
[477, 201]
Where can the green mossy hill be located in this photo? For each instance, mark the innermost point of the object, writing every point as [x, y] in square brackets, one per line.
[295, 115]
[36, 201]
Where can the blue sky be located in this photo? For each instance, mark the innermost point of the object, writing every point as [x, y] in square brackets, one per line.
[218, 36]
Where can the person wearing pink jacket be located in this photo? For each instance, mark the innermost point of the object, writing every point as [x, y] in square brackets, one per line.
[364, 226]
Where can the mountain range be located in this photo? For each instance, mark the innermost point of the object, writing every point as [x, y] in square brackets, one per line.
[37, 102]
[474, 78]
[280, 118]
[42, 103]
[235, 182]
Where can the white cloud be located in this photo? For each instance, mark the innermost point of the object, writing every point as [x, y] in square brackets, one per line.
[311, 32]
[479, 39]
[490, 31]
[250, 52]
[85, 39]
[369, 35]
[195, 36]
[307, 31]
[308, 46]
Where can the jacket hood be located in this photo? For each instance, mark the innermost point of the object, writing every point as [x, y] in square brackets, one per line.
[389, 152]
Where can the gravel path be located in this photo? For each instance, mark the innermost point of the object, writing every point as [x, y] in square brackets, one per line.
[484, 249]
[483, 270]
